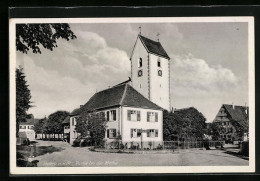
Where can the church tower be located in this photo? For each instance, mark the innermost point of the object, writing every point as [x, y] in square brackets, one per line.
[150, 71]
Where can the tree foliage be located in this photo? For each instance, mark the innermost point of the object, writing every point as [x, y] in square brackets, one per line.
[241, 127]
[186, 124]
[23, 97]
[93, 125]
[39, 127]
[30, 36]
[215, 130]
[53, 125]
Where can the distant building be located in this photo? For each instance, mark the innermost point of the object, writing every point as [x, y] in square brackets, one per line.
[26, 128]
[73, 121]
[228, 116]
[66, 129]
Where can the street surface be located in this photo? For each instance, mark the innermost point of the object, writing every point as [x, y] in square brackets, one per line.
[77, 157]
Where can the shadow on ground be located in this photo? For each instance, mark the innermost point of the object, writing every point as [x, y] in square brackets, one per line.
[237, 154]
[23, 152]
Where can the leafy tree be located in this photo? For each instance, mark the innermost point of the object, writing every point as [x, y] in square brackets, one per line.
[241, 127]
[23, 97]
[39, 127]
[215, 130]
[30, 36]
[93, 125]
[183, 124]
[53, 125]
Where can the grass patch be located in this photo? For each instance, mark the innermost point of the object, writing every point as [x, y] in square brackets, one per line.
[23, 152]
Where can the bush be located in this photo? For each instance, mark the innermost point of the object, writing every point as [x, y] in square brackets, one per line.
[76, 142]
[81, 141]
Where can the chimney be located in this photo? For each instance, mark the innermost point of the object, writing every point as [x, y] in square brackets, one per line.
[172, 110]
[245, 108]
[233, 106]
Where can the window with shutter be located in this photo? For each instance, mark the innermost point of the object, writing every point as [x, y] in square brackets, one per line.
[128, 115]
[114, 133]
[138, 116]
[132, 115]
[148, 116]
[114, 114]
[107, 115]
[148, 133]
[72, 121]
[131, 133]
[139, 132]
[156, 133]
[107, 133]
[156, 117]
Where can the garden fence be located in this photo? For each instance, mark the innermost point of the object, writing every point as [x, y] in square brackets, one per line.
[163, 145]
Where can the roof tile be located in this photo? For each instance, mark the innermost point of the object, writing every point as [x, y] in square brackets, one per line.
[154, 47]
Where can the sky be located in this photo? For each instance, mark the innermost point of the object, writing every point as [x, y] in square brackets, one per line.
[209, 65]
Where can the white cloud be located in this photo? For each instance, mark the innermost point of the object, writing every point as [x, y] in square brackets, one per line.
[71, 74]
[195, 83]
[190, 74]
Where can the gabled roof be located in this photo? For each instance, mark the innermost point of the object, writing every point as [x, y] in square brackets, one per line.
[238, 113]
[75, 112]
[121, 95]
[29, 121]
[66, 120]
[153, 47]
[125, 82]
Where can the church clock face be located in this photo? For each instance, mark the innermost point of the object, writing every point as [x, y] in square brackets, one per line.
[160, 72]
[140, 73]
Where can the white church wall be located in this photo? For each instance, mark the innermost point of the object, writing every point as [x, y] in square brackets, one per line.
[159, 85]
[140, 83]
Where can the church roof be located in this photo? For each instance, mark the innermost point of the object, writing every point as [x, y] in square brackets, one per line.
[153, 47]
[121, 95]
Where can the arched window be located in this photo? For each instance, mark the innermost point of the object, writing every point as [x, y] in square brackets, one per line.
[159, 63]
[140, 62]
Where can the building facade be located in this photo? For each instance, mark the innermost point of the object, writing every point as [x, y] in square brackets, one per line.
[129, 115]
[27, 128]
[73, 134]
[232, 117]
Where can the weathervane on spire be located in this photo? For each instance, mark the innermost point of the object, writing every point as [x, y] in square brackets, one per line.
[158, 34]
[140, 29]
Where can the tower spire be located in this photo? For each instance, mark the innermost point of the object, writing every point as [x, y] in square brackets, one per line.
[158, 36]
[140, 30]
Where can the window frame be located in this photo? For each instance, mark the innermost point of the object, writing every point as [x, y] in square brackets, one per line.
[159, 63]
[140, 62]
[111, 133]
[138, 115]
[138, 133]
[154, 114]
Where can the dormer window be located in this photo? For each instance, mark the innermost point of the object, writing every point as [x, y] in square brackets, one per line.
[159, 63]
[140, 62]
